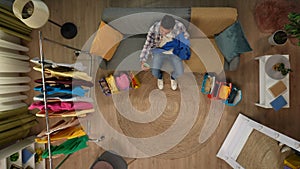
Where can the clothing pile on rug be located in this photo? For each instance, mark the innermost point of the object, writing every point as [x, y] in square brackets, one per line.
[121, 81]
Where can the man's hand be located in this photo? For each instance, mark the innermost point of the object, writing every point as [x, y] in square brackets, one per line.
[144, 66]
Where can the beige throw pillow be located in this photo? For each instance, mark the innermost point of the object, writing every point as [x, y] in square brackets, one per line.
[106, 41]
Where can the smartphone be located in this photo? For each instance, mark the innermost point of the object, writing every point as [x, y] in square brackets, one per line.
[146, 65]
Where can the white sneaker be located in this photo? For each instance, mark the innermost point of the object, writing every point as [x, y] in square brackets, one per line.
[280, 144]
[160, 83]
[173, 84]
[285, 149]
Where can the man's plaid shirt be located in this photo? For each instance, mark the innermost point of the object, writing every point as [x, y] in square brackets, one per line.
[154, 37]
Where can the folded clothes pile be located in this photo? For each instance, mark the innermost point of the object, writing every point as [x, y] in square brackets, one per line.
[117, 82]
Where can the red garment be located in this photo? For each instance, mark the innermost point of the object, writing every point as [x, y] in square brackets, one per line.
[59, 106]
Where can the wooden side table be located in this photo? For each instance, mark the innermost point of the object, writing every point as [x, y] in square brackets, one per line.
[265, 82]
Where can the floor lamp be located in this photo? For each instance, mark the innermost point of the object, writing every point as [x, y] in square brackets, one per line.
[35, 14]
[68, 30]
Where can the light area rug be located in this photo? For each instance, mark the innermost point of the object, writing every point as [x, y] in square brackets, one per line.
[165, 107]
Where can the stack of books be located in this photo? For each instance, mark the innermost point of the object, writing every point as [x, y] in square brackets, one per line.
[277, 90]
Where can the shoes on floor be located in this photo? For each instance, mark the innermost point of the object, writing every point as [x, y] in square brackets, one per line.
[285, 149]
[280, 144]
[160, 84]
[173, 84]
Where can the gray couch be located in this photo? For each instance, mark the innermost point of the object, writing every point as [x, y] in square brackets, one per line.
[134, 24]
[122, 19]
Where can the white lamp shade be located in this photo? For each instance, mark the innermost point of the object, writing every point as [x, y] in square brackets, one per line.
[39, 16]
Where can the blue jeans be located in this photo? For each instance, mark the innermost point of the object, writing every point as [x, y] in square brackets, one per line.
[158, 61]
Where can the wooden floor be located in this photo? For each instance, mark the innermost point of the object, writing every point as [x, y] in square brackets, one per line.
[86, 15]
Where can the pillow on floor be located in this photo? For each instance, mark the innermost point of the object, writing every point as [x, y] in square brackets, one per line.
[232, 42]
[106, 41]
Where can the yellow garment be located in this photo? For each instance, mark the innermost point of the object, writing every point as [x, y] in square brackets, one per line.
[208, 83]
[224, 92]
[292, 161]
[112, 84]
[74, 74]
[106, 41]
[68, 133]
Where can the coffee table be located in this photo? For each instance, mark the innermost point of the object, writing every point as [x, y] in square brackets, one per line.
[265, 82]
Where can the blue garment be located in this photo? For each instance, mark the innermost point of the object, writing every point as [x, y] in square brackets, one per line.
[79, 91]
[180, 46]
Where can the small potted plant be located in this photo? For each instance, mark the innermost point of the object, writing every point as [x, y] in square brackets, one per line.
[293, 27]
[281, 68]
[278, 38]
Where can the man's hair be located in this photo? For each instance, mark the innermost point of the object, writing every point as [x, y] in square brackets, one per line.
[167, 22]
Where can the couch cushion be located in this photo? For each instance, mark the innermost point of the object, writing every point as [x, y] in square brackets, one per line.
[205, 56]
[139, 20]
[127, 56]
[232, 42]
[211, 20]
[106, 41]
[234, 64]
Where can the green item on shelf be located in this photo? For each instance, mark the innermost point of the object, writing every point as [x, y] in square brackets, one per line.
[67, 147]
[14, 157]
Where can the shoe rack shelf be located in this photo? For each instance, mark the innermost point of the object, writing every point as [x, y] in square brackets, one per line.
[27, 145]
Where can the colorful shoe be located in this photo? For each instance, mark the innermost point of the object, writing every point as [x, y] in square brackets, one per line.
[104, 87]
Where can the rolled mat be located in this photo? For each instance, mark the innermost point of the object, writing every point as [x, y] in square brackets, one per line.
[261, 151]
